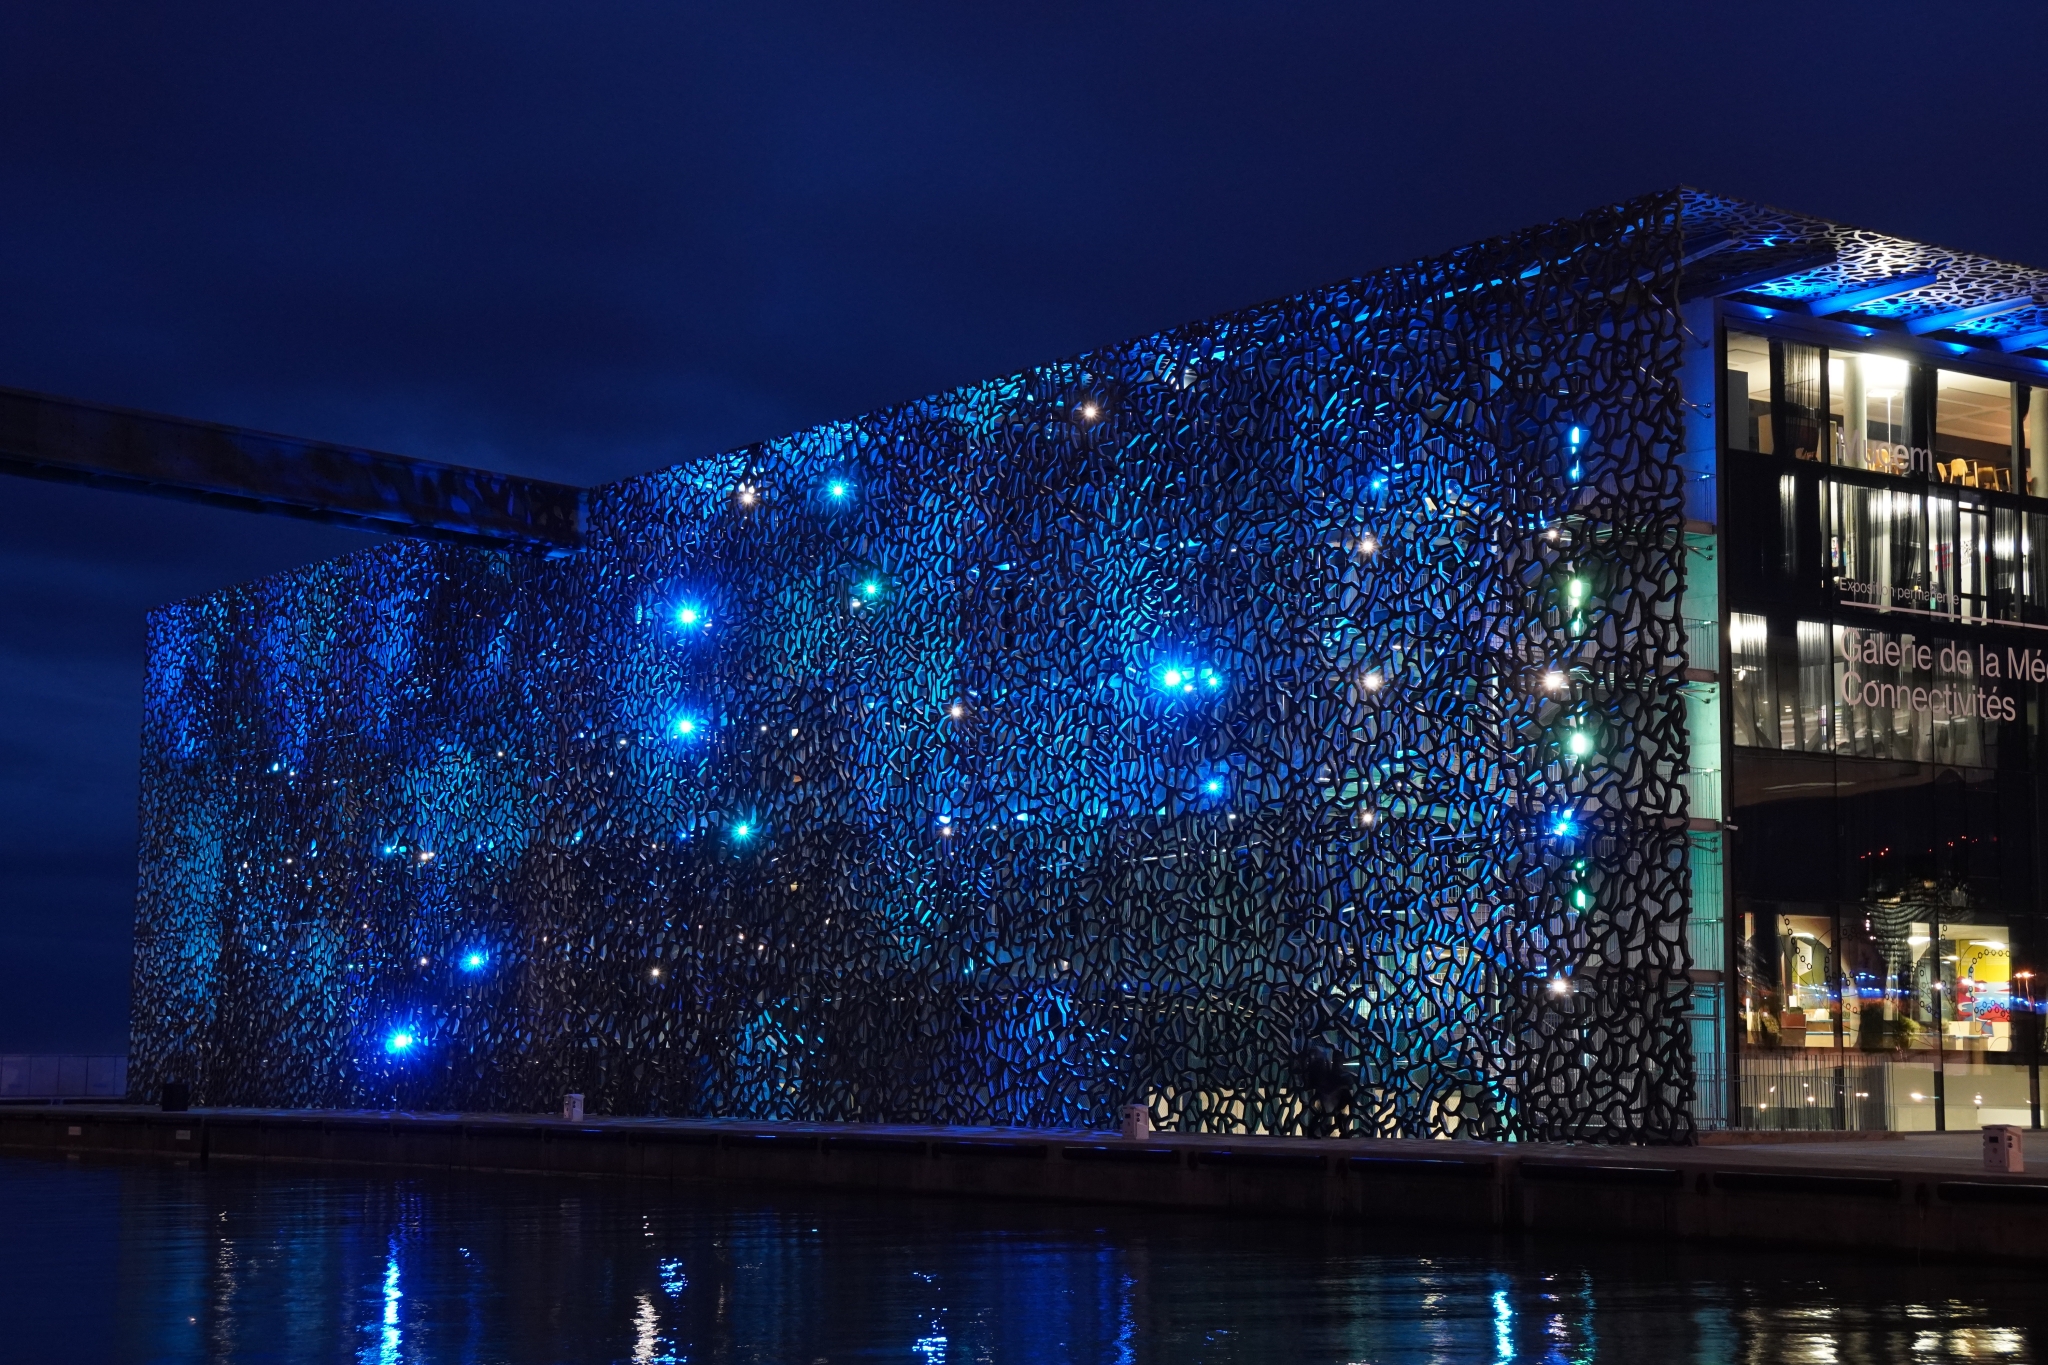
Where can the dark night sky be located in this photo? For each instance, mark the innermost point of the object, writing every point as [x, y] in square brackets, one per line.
[581, 241]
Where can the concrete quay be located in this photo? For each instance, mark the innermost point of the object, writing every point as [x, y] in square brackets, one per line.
[1924, 1195]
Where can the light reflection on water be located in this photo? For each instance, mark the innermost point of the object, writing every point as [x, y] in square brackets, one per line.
[109, 1263]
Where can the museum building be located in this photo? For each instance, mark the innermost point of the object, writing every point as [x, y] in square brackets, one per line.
[1583, 685]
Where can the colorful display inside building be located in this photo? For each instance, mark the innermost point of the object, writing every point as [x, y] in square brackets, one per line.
[1307, 721]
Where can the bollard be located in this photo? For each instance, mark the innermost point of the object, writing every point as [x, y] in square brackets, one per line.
[1137, 1122]
[572, 1108]
[2002, 1150]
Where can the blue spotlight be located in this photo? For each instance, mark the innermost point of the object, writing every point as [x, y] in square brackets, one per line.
[691, 616]
[838, 490]
[1564, 827]
[474, 962]
[1186, 679]
[400, 1042]
[871, 588]
[1214, 786]
[686, 727]
[742, 831]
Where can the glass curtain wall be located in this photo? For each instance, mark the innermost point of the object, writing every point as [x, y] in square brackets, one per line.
[1887, 589]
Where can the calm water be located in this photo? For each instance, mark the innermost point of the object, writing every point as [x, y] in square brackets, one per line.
[106, 1263]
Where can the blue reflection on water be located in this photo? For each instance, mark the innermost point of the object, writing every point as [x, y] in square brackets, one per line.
[156, 1263]
[386, 1350]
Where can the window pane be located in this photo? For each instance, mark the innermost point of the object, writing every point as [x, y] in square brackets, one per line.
[1756, 711]
[1867, 403]
[1816, 687]
[1973, 420]
[1796, 391]
[1746, 393]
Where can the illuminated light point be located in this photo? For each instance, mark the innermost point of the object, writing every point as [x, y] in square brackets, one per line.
[1579, 744]
[1371, 545]
[836, 490]
[423, 962]
[1172, 677]
[685, 727]
[1565, 827]
[655, 973]
[871, 588]
[474, 962]
[1213, 787]
[1553, 681]
[1366, 818]
[745, 494]
[1560, 986]
[1211, 678]
[1578, 437]
[426, 856]
[401, 1041]
[689, 618]
[1373, 681]
[1582, 899]
[1088, 412]
[743, 831]
[1577, 589]
[956, 710]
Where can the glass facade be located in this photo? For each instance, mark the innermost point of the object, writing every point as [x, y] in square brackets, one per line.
[1885, 590]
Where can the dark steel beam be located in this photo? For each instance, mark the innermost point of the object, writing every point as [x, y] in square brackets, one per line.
[104, 447]
[1732, 271]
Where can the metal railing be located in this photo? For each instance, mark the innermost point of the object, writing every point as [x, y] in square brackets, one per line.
[1704, 784]
[1702, 643]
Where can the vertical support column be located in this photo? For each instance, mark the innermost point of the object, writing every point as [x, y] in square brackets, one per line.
[2036, 476]
[1706, 923]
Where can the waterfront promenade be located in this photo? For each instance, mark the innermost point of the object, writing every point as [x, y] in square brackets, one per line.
[1923, 1195]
